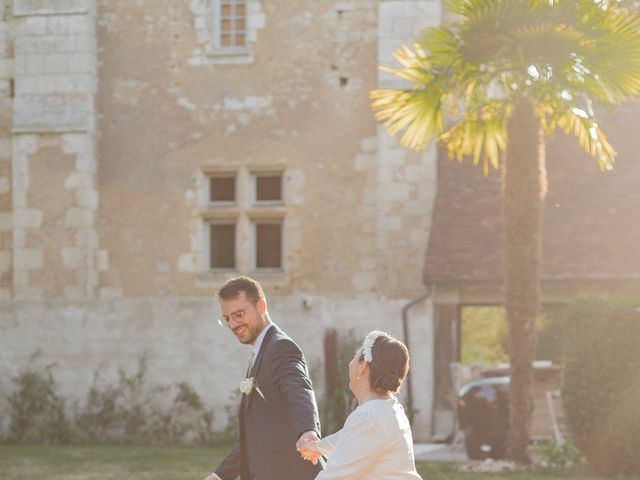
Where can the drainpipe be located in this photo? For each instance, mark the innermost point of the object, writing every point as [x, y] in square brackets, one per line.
[405, 333]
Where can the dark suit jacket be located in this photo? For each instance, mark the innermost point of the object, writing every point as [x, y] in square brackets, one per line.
[270, 427]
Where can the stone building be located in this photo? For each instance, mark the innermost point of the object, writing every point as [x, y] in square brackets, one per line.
[151, 149]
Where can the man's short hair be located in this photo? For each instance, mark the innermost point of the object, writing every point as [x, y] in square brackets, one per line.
[234, 286]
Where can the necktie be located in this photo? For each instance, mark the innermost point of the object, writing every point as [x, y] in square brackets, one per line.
[250, 364]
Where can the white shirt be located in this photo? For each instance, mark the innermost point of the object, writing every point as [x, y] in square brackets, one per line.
[374, 444]
[258, 343]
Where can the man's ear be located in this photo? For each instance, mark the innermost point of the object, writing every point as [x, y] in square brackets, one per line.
[262, 306]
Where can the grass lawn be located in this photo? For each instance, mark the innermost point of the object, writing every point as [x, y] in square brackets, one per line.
[22, 462]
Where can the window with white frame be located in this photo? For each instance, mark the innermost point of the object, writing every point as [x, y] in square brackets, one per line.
[230, 24]
[244, 217]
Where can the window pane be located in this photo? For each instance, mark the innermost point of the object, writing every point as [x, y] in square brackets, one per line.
[240, 11]
[225, 10]
[268, 188]
[222, 189]
[240, 41]
[223, 246]
[240, 25]
[225, 25]
[225, 40]
[268, 245]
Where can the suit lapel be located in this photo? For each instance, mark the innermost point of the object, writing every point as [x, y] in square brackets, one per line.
[246, 399]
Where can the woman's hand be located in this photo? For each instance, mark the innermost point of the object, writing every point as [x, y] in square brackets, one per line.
[309, 451]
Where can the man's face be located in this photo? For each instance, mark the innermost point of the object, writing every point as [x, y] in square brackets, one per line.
[244, 319]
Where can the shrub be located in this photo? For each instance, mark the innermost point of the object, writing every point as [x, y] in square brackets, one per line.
[131, 410]
[558, 456]
[36, 411]
[601, 391]
[336, 405]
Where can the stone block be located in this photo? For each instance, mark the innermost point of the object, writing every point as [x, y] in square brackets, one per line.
[369, 144]
[28, 218]
[27, 292]
[29, 26]
[5, 147]
[50, 7]
[364, 162]
[6, 221]
[102, 260]
[20, 276]
[6, 68]
[72, 258]
[82, 62]
[5, 294]
[5, 261]
[5, 185]
[110, 293]
[79, 217]
[54, 112]
[186, 263]
[74, 292]
[87, 198]
[28, 258]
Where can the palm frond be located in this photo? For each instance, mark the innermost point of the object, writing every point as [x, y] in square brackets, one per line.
[482, 135]
[418, 112]
[589, 134]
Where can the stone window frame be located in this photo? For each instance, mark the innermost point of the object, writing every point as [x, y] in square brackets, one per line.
[246, 213]
[207, 18]
[218, 31]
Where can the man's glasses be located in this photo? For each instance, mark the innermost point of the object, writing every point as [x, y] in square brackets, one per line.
[236, 316]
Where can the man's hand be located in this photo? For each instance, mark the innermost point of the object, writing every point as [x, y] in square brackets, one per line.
[212, 476]
[306, 446]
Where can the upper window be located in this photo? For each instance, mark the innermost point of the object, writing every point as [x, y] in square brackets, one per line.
[268, 187]
[222, 188]
[231, 24]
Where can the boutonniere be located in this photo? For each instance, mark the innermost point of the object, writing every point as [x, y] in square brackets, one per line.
[248, 385]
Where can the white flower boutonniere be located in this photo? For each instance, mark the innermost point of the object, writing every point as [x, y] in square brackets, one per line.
[248, 385]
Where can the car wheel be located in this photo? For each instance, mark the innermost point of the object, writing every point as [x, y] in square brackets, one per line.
[473, 445]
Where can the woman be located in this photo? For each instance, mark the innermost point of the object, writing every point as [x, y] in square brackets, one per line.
[375, 442]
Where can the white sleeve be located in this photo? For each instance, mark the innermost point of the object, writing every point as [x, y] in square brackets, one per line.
[328, 443]
[360, 445]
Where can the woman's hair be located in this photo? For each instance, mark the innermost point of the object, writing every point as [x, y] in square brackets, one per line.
[389, 364]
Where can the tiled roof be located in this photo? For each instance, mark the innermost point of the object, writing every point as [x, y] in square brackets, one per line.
[592, 219]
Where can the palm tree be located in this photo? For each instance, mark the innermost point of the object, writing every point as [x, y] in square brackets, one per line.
[493, 84]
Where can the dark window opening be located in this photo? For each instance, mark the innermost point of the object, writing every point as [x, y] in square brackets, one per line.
[268, 245]
[223, 246]
[268, 188]
[222, 189]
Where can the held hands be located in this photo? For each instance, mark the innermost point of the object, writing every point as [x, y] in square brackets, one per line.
[306, 446]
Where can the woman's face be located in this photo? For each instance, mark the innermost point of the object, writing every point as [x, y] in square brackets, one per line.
[354, 368]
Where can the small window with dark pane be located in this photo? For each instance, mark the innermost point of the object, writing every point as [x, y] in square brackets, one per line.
[222, 244]
[222, 188]
[269, 187]
[268, 245]
[232, 24]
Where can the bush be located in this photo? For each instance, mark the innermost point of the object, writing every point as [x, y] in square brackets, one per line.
[131, 410]
[558, 456]
[601, 392]
[336, 406]
[37, 412]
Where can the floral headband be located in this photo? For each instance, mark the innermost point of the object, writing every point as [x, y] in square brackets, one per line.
[367, 345]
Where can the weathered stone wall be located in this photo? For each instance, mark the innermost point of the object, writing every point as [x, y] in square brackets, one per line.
[104, 220]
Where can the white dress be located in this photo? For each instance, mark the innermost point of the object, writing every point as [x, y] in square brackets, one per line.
[375, 443]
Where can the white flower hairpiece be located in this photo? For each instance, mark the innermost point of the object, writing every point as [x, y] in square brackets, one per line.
[367, 345]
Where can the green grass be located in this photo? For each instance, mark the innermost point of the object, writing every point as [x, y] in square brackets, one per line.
[21, 462]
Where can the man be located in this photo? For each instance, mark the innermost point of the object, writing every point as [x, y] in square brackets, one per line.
[278, 409]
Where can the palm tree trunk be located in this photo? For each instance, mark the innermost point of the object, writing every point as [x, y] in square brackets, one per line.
[524, 188]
